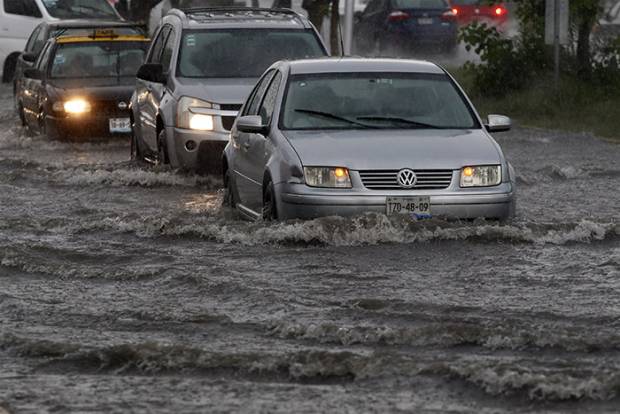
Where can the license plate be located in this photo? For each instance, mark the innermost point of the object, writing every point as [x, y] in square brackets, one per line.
[418, 207]
[120, 125]
[425, 20]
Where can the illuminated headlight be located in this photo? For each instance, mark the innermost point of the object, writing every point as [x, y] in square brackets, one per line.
[481, 176]
[72, 106]
[332, 177]
[188, 120]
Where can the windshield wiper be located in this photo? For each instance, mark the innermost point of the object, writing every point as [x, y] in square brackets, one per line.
[332, 116]
[397, 119]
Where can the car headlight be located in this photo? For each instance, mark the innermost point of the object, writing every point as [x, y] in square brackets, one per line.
[72, 106]
[481, 175]
[186, 119]
[331, 177]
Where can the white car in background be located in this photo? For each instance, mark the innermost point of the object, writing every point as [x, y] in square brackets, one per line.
[18, 18]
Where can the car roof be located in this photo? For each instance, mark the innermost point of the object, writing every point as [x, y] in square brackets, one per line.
[240, 17]
[352, 64]
[77, 23]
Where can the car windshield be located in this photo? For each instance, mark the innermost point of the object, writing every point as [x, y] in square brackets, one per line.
[375, 100]
[98, 59]
[80, 9]
[420, 4]
[242, 53]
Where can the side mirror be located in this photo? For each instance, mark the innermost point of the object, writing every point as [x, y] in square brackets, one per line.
[29, 57]
[152, 72]
[252, 124]
[32, 73]
[498, 123]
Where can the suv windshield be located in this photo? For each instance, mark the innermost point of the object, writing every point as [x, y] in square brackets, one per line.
[375, 100]
[76, 9]
[242, 53]
[98, 59]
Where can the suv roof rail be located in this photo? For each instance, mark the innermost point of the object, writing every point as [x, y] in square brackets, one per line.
[213, 11]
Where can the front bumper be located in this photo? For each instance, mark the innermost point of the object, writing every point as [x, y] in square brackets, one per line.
[199, 151]
[301, 201]
[83, 126]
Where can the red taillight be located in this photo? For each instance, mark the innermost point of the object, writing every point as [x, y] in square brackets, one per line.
[455, 11]
[398, 16]
[448, 16]
[500, 11]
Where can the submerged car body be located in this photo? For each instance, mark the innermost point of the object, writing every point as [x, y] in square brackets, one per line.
[80, 86]
[294, 154]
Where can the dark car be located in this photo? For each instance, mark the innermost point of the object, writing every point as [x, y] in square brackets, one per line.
[80, 86]
[469, 11]
[202, 65]
[46, 30]
[406, 25]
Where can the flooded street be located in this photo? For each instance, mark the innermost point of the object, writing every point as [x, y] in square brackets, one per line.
[126, 288]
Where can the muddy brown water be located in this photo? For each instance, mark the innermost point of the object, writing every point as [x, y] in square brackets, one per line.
[125, 288]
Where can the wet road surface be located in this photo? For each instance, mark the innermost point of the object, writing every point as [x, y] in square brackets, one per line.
[125, 288]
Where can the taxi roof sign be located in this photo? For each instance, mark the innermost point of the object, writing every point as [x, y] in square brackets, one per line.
[115, 38]
[104, 33]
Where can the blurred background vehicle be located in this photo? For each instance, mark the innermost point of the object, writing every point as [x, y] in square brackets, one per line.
[400, 26]
[18, 18]
[201, 66]
[482, 11]
[46, 30]
[609, 24]
[80, 86]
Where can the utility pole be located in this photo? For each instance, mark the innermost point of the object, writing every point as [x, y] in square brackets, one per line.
[348, 26]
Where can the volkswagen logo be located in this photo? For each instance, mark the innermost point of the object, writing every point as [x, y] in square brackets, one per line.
[122, 106]
[406, 178]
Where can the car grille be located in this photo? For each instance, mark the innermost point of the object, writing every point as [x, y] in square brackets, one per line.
[228, 121]
[386, 179]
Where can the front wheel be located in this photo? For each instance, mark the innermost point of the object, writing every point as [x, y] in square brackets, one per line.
[270, 211]
[162, 148]
[229, 191]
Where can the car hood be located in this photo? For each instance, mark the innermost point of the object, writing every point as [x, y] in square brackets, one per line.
[97, 91]
[395, 149]
[222, 91]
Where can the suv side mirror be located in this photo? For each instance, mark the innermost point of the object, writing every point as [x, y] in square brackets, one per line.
[498, 123]
[152, 72]
[29, 57]
[32, 73]
[252, 124]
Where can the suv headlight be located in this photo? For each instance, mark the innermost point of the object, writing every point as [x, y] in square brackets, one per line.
[481, 176]
[331, 177]
[188, 120]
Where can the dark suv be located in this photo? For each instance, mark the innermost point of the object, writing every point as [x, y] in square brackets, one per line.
[201, 66]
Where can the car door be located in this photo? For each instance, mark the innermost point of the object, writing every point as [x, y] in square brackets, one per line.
[149, 95]
[242, 142]
[32, 87]
[261, 146]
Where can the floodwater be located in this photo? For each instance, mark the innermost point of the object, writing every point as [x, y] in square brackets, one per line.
[126, 288]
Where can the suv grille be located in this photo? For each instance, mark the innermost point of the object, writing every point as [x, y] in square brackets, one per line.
[386, 179]
[108, 108]
[228, 121]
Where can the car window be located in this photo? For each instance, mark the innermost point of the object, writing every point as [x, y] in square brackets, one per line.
[257, 94]
[420, 4]
[97, 59]
[22, 7]
[80, 9]
[31, 40]
[39, 42]
[158, 45]
[269, 101]
[375, 100]
[242, 53]
[41, 63]
[166, 56]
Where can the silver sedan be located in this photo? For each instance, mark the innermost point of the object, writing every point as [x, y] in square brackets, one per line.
[349, 136]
